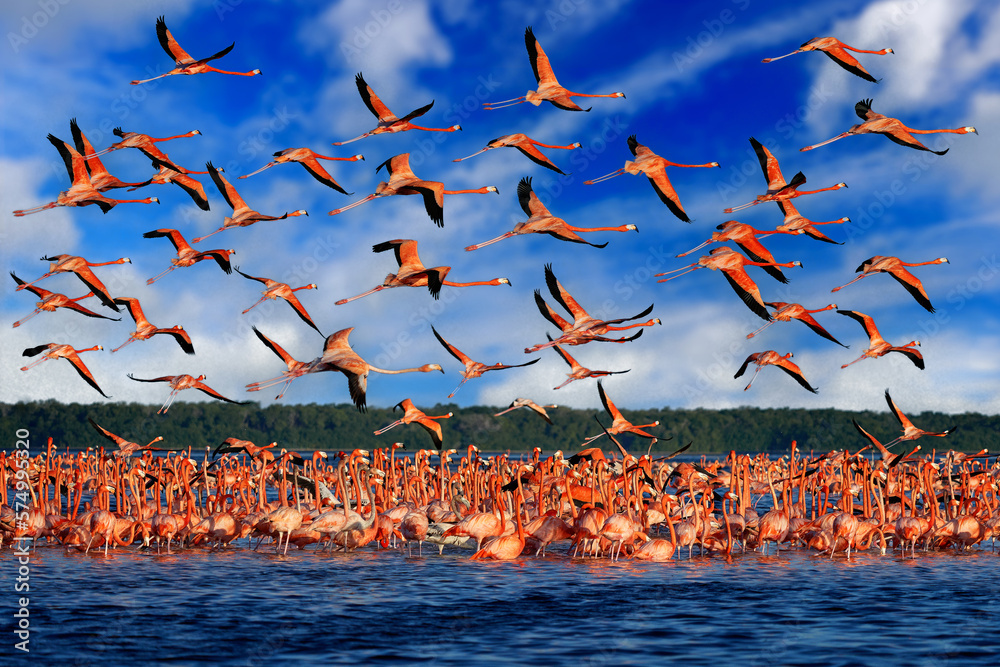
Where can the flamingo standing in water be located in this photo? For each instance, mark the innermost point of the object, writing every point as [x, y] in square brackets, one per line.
[81, 267]
[144, 330]
[786, 312]
[655, 167]
[413, 273]
[185, 64]
[772, 358]
[577, 371]
[186, 255]
[413, 415]
[745, 237]
[877, 346]
[778, 189]
[277, 290]
[67, 352]
[125, 447]
[910, 432]
[50, 301]
[473, 369]
[310, 161]
[892, 128]
[838, 52]
[82, 191]
[387, 121]
[243, 215]
[896, 268]
[402, 181]
[549, 89]
[541, 221]
[527, 146]
[181, 382]
[531, 405]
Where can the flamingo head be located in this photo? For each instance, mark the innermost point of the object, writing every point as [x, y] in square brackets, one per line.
[969, 129]
[942, 260]
[357, 157]
[632, 228]
[492, 188]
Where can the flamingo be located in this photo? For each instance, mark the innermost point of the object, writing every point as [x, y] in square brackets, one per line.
[81, 267]
[577, 371]
[168, 174]
[82, 191]
[186, 255]
[796, 223]
[309, 159]
[181, 382]
[910, 432]
[50, 301]
[731, 264]
[888, 458]
[100, 177]
[411, 415]
[838, 52]
[508, 547]
[531, 405]
[473, 369]
[243, 215]
[772, 358]
[877, 346]
[786, 312]
[895, 267]
[338, 356]
[277, 290]
[402, 181]
[230, 445]
[777, 189]
[892, 128]
[67, 352]
[144, 330]
[541, 221]
[655, 167]
[295, 367]
[527, 146]
[745, 237]
[412, 272]
[549, 89]
[619, 424]
[125, 447]
[387, 121]
[185, 64]
[146, 145]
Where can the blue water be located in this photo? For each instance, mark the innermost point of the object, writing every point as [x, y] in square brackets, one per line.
[255, 608]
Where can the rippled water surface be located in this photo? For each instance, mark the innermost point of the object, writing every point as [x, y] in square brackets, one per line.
[247, 608]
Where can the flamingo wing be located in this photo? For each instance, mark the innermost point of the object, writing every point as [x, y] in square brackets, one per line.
[300, 310]
[529, 201]
[416, 113]
[181, 336]
[900, 417]
[748, 291]
[539, 61]
[106, 433]
[904, 138]
[768, 164]
[665, 191]
[848, 62]
[811, 322]
[608, 405]
[228, 191]
[205, 389]
[97, 287]
[887, 456]
[84, 372]
[274, 347]
[264, 281]
[193, 187]
[134, 309]
[40, 292]
[175, 238]
[746, 362]
[564, 297]
[536, 156]
[221, 258]
[550, 314]
[170, 45]
[33, 351]
[405, 250]
[455, 352]
[322, 175]
[795, 372]
[913, 286]
[165, 378]
[914, 355]
[372, 101]
[76, 166]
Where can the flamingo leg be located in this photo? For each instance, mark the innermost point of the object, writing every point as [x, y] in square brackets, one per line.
[341, 143]
[855, 361]
[489, 106]
[741, 207]
[160, 275]
[21, 287]
[130, 339]
[134, 83]
[21, 321]
[464, 380]
[768, 60]
[266, 166]
[35, 363]
[837, 289]
[259, 301]
[491, 241]
[689, 270]
[371, 291]
[599, 179]
[824, 143]
[350, 206]
[386, 428]
[473, 155]
[35, 209]
[752, 378]
[202, 238]
[754, 333]
[696, 248]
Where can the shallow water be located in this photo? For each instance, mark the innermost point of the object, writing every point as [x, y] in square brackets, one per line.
[248, 608]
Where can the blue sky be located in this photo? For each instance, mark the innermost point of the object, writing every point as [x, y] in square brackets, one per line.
[695, 91]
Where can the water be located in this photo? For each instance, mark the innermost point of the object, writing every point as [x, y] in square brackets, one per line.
[253, 608]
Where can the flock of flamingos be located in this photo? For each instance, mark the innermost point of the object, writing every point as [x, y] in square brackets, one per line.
[614, 505]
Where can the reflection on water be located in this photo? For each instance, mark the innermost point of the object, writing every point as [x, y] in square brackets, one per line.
[246, 608]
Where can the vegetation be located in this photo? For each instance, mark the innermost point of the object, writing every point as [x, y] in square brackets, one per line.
[342, 427]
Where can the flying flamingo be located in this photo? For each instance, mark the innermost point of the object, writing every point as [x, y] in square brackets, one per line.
[888, 458]
[387, 121]
[50, 301]
[877, 346]
[186, 255]
[231, 445]
[402, 181]
[145, 143]
[892, 128]
[531, 405]
[295, 367]
[796, 223]
[167, 174]
[541, 221]
[100, 177]
[619, 424]
[772, 358]
[125, 448]
[578, 372]
[185, 64]
[181, 382]
[786, 312]
[411, 415]
[338, 356]
[144, 330]
[310, 160]
[745, 237]
[895, 267]
[527, 146]
[777, 189]
[549, 89]
[412, 272]
[584, 328]
[837, 51]
[82, 191]
[655, 167]
[67, 352]
[282, 290]
[81, 267]
[243, 215]
[731, 264]
[473, 369]
[910, 432]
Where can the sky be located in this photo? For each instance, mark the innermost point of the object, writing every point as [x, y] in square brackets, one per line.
[695, 91]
